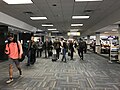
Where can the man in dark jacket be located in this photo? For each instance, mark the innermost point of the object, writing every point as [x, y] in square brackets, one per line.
[81, 47]
[47, 47]
[57, 45]
[32, 47]
[71, 48]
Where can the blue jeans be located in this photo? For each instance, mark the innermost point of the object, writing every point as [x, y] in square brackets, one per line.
[29, 57]
[64, 54]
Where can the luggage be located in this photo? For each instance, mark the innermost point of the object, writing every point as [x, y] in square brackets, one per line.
[50, 53]
[54, 56]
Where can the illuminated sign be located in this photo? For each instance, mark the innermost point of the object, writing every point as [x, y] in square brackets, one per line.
[73, 33]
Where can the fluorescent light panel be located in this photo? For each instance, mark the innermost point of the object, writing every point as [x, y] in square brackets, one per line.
[106, 32]
[114, 30]
[18, 1]
[39, 30]
[76, 24]
[86, 0]
[80, 17]
[55, 31]
[74, 30]
[52, 29]
[47, 25]
[38, 18]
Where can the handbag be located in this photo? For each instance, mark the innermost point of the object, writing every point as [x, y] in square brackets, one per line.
[22, 58]
[69, 53]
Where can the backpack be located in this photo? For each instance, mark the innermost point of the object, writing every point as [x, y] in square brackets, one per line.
[82, 44]
[23, 55]
[57, 46]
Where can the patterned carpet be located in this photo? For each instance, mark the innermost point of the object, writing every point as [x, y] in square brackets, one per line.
[92, 73]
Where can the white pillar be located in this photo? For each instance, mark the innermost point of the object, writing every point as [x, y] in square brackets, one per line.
[49, 34]
[98, 46]
[88, 42]
[119, 43]
[17, 36]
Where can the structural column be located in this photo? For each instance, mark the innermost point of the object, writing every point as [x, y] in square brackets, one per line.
[119, 43]
[98, 46]
[88, 42]
[3, 38]
[49, 36]
[18, 37]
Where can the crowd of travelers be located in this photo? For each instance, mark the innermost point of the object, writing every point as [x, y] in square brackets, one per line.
[54, 49]
[14, 49]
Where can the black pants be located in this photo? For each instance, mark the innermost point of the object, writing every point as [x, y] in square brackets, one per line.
[39, 53]
[71, 53]
[33, 56]
[80, 53]
[58, 53]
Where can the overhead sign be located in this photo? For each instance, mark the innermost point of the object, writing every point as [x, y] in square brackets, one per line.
[73, 33]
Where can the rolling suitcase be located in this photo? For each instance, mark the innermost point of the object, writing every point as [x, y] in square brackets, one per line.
[54, 56]
[50, 53]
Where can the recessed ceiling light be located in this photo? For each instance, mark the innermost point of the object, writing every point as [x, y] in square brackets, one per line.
[38, 18]
[18, 1]
[86, 0]
[76, 24]
[47, 25]
[52, 29]
[80, 17]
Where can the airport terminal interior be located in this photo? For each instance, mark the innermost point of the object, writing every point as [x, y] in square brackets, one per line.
[65, 44]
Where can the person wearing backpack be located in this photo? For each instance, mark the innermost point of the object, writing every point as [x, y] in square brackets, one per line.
[14, 54]
[81, 48]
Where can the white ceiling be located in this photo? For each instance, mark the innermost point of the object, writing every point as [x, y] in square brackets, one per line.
[60, 15]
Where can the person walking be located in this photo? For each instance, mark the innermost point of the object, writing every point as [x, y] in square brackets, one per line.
[39, 50]
[57, 45]
[81, 48]
[14, 51]
[64, 50]
[31, 51]
[85, 47]
[47, 47]
[71, 48]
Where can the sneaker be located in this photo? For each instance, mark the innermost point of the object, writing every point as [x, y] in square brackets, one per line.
[110, 61]
[20, 75]
[9, 81]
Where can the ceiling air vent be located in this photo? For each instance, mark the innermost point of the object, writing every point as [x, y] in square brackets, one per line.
[28, 13]
[54, 5]
[88, 11]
